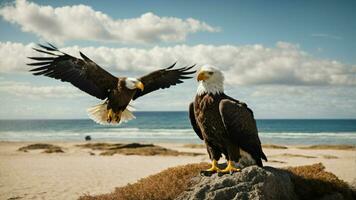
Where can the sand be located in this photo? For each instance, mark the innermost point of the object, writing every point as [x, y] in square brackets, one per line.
[37, 175]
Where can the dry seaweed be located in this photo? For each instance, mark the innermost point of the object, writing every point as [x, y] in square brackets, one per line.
[292, 155]
[276, 161]
[330, 157]
[194, 146]
[267, 146]
[48, 148]
[109, 149]
[273, 146]
[332, 147]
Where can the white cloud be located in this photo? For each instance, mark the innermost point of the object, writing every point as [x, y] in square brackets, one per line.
[299, 101]
[24, 89]
[13, 56]
[284, 64]
[81, 22]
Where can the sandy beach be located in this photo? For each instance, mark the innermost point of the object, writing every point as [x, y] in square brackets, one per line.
[68, 175]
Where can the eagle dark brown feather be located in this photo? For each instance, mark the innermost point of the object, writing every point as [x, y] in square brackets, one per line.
[193, 122]
[241, 127]
[82, 73]
[163, 78]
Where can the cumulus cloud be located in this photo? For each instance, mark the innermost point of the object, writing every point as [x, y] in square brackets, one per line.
[24, 89]
[284, 64]
[281, 101]
[13, 56]
[81, 22]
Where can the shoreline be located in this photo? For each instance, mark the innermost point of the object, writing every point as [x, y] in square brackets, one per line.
[191, 144]
[75, 172]
[168, 141]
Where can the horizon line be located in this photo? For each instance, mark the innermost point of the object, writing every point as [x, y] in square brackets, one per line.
[8, 119]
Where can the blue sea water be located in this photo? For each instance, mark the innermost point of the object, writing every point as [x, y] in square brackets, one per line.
[175, 127]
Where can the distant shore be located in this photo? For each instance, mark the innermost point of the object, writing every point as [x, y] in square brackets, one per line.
[68, 171]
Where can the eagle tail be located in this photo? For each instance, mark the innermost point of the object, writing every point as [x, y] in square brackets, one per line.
[259, 162]
[99, 114]
[263, 156]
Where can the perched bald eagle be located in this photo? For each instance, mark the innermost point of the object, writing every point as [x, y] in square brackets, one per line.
[89, 77]
[226, 125]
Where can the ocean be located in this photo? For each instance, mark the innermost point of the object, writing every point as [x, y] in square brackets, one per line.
[175, 127]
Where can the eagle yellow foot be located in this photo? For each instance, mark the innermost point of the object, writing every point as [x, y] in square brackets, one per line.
[213, 169]
[230, 169]
[110, 116]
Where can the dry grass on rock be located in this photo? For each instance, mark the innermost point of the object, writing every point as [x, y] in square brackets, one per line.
[167, 184]
[313, 182]
[310, 182]
[108, 149]
[48, 148]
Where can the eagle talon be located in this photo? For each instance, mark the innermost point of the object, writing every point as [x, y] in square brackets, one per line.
[213, 169]
[110, 116]
[230, 168]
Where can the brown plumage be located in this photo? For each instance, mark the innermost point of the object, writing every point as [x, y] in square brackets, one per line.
[226, 125]
[89, 77]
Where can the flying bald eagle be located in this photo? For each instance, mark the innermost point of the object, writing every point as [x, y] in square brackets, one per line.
[89, 77]
[226, 125]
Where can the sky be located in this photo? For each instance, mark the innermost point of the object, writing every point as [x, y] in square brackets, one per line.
[284, 59]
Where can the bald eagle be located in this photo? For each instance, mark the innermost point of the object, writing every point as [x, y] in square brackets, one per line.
[226, 125]
[117, 92]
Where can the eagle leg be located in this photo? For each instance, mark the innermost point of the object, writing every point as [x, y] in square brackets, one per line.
[110, 116]
[230, 168]
[213, 169]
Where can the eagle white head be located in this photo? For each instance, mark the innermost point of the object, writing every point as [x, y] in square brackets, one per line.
[211, 80]
[133, 83]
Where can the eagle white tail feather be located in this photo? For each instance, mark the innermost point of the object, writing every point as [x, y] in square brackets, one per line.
[99, 113]
[127, 115]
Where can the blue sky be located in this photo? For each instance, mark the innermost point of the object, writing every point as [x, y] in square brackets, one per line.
[284, 59]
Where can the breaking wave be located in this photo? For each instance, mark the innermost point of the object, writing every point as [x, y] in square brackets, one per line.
[173, 135]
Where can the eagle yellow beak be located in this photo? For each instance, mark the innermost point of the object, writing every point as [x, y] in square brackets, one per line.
[140, 85]
[201, 76]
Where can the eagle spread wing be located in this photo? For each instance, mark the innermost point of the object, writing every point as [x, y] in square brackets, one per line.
[163, 78]
[241, 127]
[82, 73]
[193, 122]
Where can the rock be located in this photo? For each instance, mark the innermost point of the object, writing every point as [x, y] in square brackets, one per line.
[87, 138]
[251, 183]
